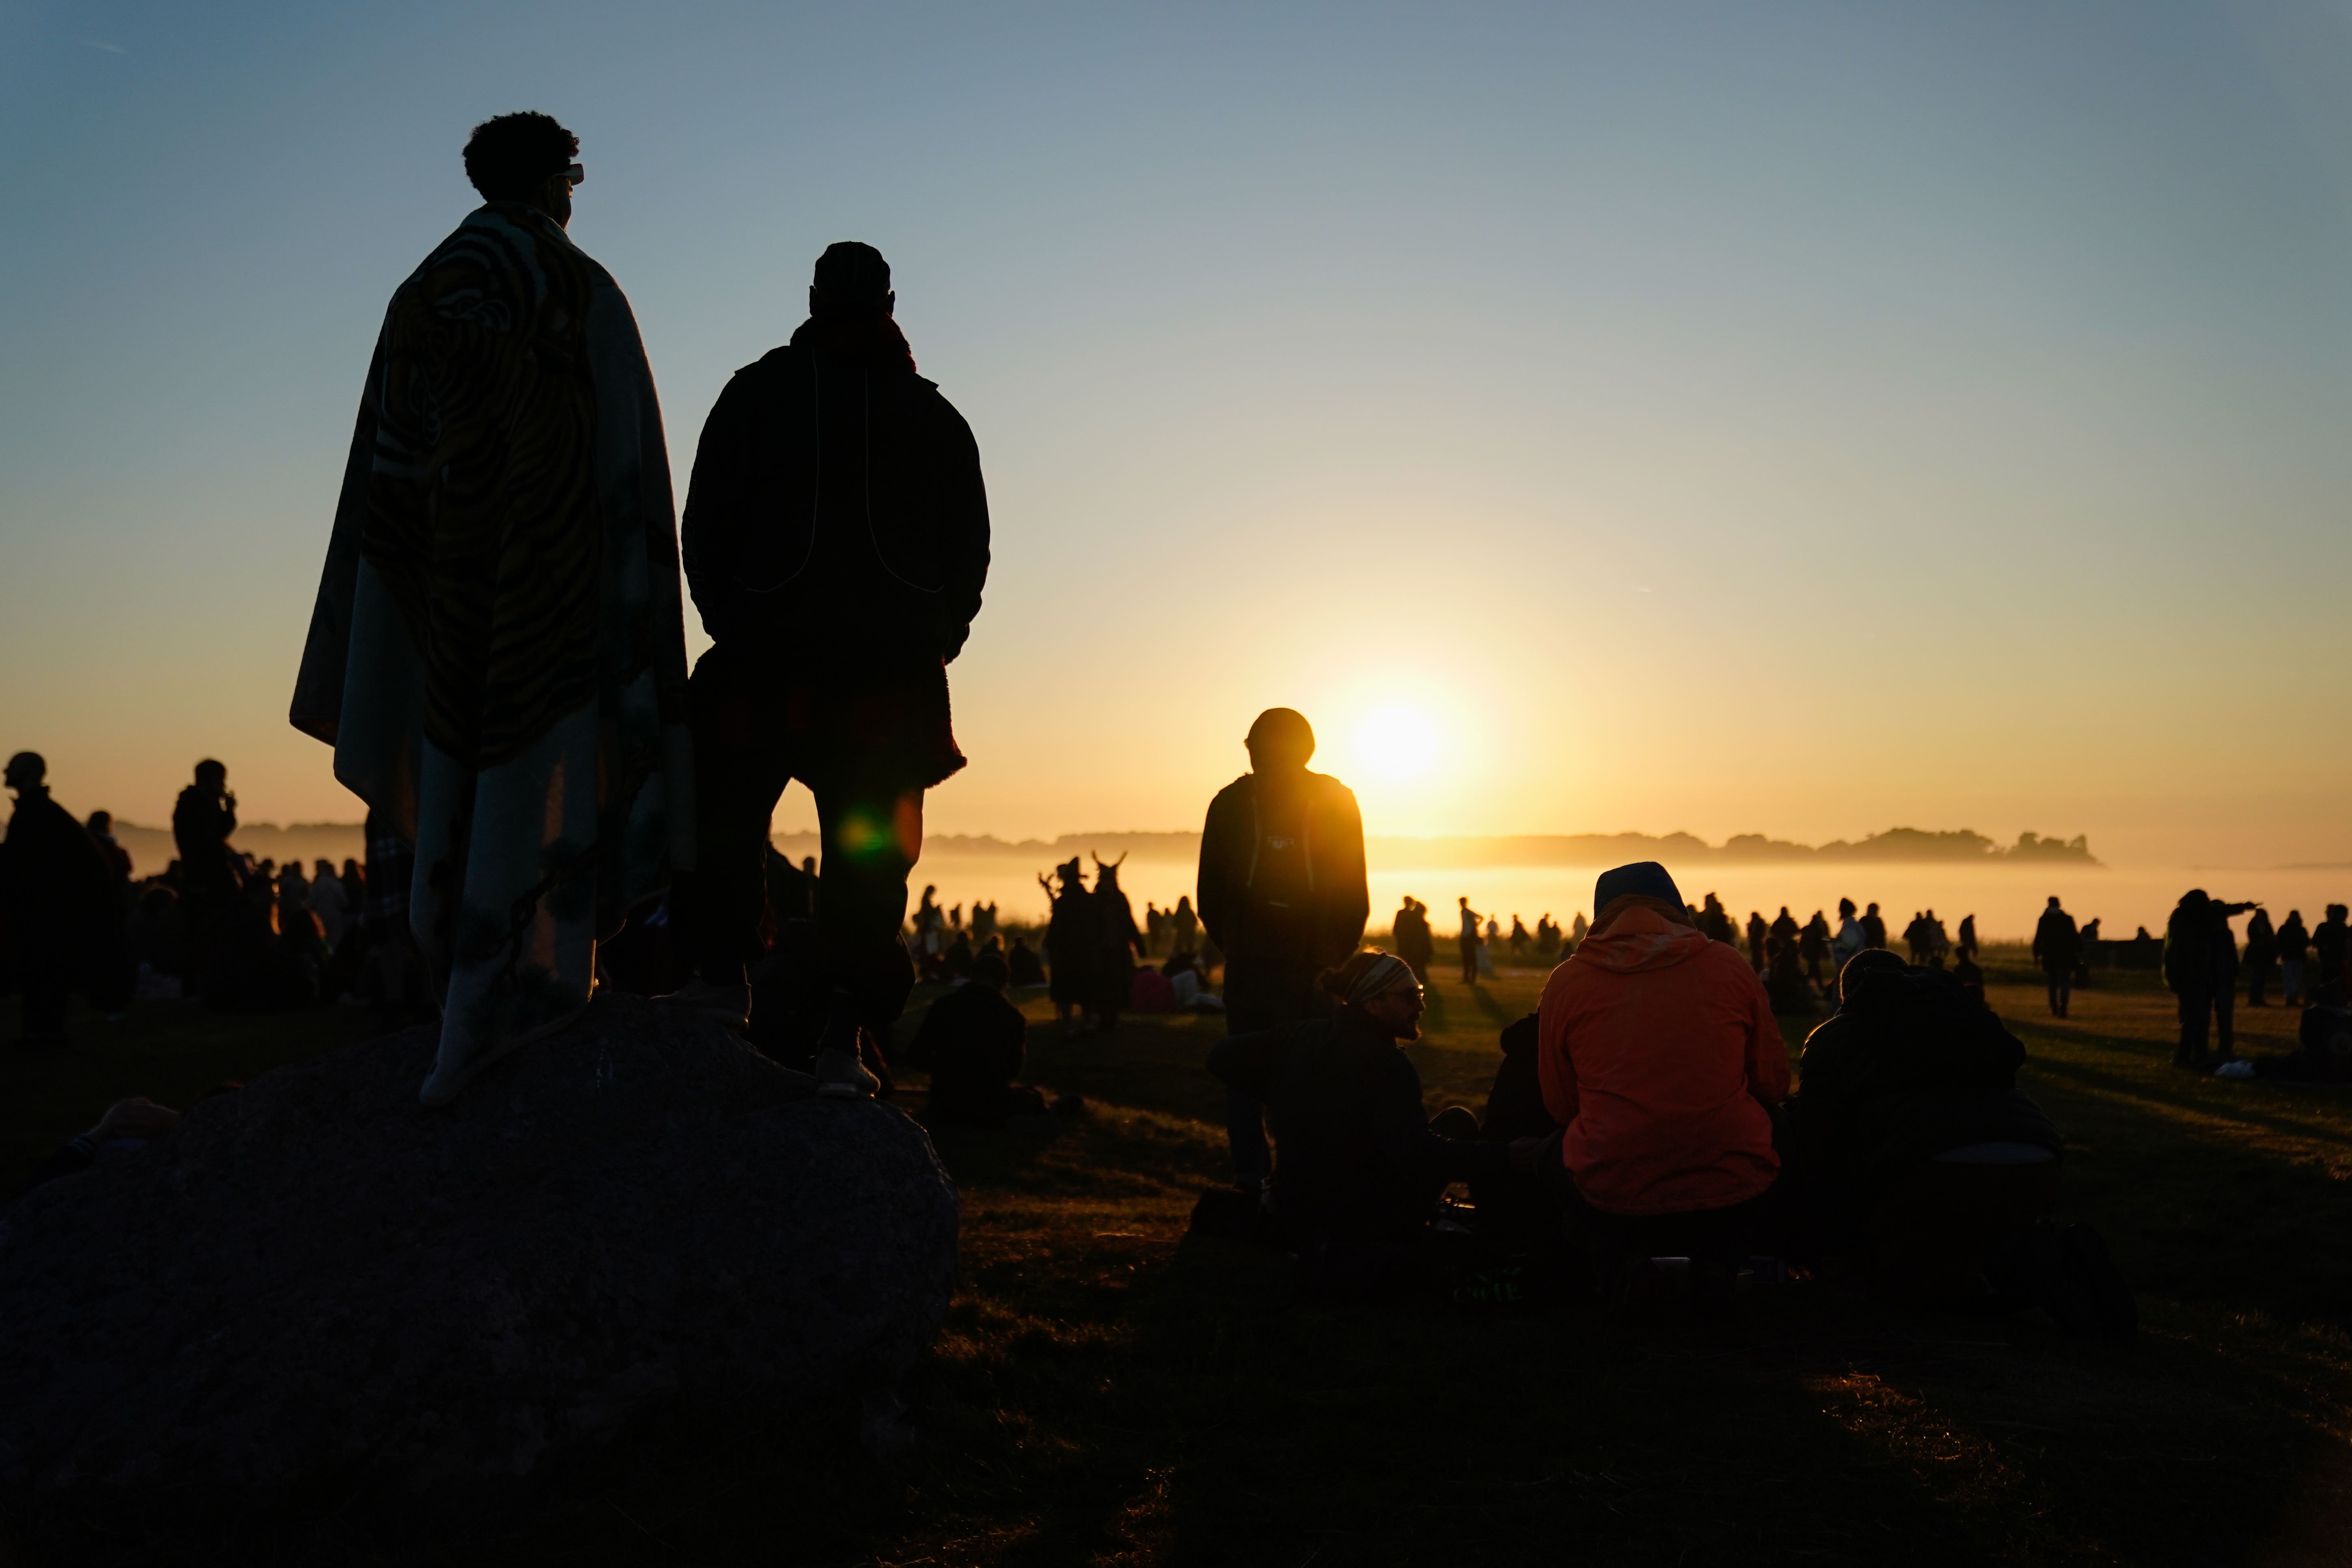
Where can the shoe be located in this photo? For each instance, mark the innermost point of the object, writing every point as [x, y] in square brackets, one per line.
[729, 1004]
[841, 1075]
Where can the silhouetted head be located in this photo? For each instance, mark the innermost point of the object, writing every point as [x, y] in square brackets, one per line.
[1845, 909]
[101, 822]
[2336, 911]
[211, 775]
[1381, 986]
[525, 157]
[1863, 965]
[1644, 879]
[988, 969]
[2195, 899]
[2053, 901]
[25, 771]
[1281, 738]
[852, 279]
[1872, 911]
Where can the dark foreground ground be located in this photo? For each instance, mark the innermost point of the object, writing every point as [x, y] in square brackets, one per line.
[1109, 1391]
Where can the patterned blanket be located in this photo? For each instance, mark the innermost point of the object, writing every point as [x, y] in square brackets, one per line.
[497, 655]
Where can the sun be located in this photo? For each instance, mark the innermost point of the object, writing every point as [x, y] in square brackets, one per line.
[1396, 743]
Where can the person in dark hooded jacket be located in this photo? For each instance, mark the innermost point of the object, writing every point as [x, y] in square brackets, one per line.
[1918, 1142]
[1911, 1068]
[58, 905]
[837, 540]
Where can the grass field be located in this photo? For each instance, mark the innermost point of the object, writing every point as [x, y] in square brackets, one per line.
[1108, 1390]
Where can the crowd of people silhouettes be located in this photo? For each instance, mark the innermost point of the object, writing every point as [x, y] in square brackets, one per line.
[555, 802]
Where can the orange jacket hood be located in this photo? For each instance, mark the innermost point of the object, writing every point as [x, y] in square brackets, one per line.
[1640, 940]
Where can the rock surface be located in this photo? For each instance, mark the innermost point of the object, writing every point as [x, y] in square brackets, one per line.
[319, 1284]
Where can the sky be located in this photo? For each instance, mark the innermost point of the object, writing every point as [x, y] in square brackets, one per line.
[1797, 419]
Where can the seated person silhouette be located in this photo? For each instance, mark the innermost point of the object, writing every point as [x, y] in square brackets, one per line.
[1922, 1152]
[1658, 1056]
[971, 1042]
[1359, 1165]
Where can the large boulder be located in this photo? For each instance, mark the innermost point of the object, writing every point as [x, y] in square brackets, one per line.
[317, 1283]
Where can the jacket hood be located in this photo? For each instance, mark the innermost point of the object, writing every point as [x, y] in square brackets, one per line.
[1639, 939]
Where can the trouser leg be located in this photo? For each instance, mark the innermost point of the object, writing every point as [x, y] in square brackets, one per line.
[2225, 1005]
[2195, 1007]
[1258, 996]
[2291, 982]
[2257, 984]
[872, 837]
[2057, 983]
[717, 908]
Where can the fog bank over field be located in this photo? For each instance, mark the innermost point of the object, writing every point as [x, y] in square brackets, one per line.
[1954, 872]
[1896, 844]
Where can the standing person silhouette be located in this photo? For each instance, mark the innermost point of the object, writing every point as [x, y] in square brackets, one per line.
[1282, 894]
[2262, 954]
[2294, 944]
[2057, 945]
[496, 652]
[837, 541]
[1469, 939]
[58, 906]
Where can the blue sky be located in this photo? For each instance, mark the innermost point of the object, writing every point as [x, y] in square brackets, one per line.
[1797, 418]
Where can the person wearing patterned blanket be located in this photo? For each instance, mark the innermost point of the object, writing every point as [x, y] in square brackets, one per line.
[497, 651]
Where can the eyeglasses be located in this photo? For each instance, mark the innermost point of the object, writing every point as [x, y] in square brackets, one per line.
[573, 173]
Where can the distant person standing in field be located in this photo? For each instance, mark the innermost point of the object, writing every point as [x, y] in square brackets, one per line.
[1850, 939]
[1968, 945]
[1183, 925]
[1813, 946]
[58, 906]
[1282, 894]
[2327, 947]
[1414, 943]
[2057, 945]
[1469, 943]
[202, 820]
[2293, 953]
[2198, 974]
[1874, 928]
[2261, 954]
[1758, 933]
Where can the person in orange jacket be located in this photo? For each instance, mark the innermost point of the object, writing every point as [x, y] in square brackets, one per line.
[1658, 1055]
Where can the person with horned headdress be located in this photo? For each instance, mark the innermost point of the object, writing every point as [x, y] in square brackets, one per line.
[836, 542]
[1073, 937]
[1282, 894]
[497, 653]
[1119, 940]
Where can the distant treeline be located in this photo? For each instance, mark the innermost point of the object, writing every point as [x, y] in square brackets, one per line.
[1894, 845]
[150, 848]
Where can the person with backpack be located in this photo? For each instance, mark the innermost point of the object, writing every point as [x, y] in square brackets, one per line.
[1282, 893]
